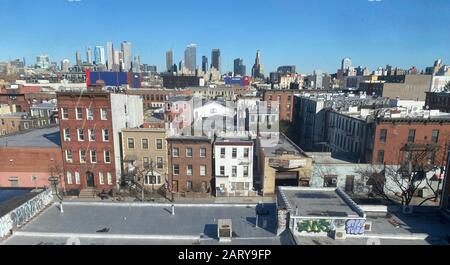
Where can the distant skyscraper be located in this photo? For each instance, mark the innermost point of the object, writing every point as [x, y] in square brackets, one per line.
[169, 61]
[43, 62]
[65, 65]
[258, 69]
[286, 69]
[137, 64]
[78, 58]
[346, 64]
[215, 59]
[190, 57]
[239, 67]
[204, 64]
[116, 59]
[127, 55]
[88, 55]
[110, 51]
[318, 79]
[99, 55]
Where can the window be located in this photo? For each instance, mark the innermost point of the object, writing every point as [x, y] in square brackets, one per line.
[110, 180]
[130, 143]
[222, 152]
[159, 162]
[105, 135]
[245, 171]
[222, 170]
[189, 185]
[203, 170]
[69, 157]
[246, 152]
[93, 156]
[79, 112]
[80, 134]
[176, 169]
[434, 136]
[234, 171]
[101, 178]
[64, 113]
[91, 135]
[107, 156]
[144, 143]
[159, 144]
[234, 153]
[383, 134]
[411, 135]
[66, 134]
[189, 170]
[202, 152]
[82, 156]
[330, 181]
[146, 163]
[380, 156]
[77, 178]
[175, 152]
[90, 113]
[69, 178]
[103, 114]
[188, 152]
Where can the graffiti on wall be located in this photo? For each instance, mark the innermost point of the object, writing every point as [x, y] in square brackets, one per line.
[24, 212]
[314, 226]
[354, 226]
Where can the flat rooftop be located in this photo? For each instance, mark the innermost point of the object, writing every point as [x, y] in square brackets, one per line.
[326, 158]
[45, 137]
[284, 146]
[142, 223]
[11, 198]
[316, 202]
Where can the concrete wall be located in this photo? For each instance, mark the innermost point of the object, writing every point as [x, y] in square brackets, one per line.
[24, 212]
[130, 116]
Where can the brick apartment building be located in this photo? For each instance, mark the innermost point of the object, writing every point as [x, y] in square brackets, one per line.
[394, 138]
[285, 99]
[145, 149]
[90, 126]
[155, 98]
[28, 159]
[190, 165]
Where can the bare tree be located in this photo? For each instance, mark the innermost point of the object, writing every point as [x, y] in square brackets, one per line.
[400, 183]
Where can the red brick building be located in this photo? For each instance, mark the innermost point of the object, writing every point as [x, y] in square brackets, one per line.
[190, 164]
[395, 138]
[285, 99]
[155, 98]
[29, 159]
[87, 139]
[21, 102]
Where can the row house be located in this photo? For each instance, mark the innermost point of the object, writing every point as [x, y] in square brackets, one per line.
[144, 155]
[190, 165]
[233, 160]
[90, 125]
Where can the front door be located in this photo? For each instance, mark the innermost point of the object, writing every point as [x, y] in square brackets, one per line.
[90, 179]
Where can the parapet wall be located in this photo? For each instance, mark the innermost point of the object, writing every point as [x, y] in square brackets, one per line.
[24, 212]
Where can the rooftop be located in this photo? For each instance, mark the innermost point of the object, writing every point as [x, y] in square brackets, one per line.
[45, 137]
[283, 146]
[191, 224]
[326, 158]
[317, 202]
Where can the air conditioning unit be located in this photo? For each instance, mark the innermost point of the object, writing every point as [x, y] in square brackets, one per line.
[339, 234]
[368, 226]
[407, 209]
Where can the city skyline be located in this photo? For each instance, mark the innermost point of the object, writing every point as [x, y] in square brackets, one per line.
[363, 36]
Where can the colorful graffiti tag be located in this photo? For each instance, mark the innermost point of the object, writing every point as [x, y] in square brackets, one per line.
[314, 226]
[355, 226]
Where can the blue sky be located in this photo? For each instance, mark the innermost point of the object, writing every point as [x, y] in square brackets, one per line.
[313, 34]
